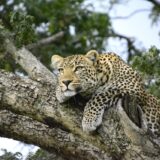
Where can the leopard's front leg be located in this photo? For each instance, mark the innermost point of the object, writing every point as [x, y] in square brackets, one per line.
[94, 109]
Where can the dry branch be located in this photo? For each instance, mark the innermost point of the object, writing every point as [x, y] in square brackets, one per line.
[131, 14]
[45, 41]
[130, 44]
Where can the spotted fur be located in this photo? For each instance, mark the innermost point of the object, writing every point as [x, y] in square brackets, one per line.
[104, 78]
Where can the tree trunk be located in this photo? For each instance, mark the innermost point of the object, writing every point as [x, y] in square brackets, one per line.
[29, 112]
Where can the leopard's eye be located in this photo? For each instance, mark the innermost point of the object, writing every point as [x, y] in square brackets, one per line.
[60, 69]
[78, 68]
[57, 71]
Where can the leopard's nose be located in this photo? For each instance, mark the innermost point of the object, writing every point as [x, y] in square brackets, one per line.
[67, 82]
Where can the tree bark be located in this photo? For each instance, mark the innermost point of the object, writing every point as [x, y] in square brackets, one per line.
[31, 131]
[29, 112]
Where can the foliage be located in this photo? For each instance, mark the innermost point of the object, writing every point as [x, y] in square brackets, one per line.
[10, 156]
[149, 66]
[30, 21]
[41, 155]
[38, 155]
[22, 25]
[155, 14]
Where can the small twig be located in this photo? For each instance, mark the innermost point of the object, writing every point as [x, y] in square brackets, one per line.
[130, 15]
[45, 41]
[129, 41]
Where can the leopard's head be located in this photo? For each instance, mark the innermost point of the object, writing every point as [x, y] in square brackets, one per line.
[77, 73]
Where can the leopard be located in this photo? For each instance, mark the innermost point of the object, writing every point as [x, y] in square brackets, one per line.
[103, 78]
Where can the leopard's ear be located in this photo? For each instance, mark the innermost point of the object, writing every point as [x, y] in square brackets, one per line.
[92, 55]
[55, 61]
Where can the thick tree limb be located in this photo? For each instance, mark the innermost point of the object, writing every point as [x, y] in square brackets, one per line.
[38, 101]
[45, 41]
[29, 63]
[24, 128]
[115, 137]
[35, 100]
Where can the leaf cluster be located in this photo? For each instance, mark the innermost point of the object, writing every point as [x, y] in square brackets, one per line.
[149, 66]
[30, 21]
[11, 156]
[23, 31]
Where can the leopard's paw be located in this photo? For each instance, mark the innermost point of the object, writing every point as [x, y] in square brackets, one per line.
[90, 124]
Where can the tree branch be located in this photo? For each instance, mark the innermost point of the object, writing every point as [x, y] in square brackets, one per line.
[51, 139]
[45, 41]
[130, 43]
[131, 14]
[27, 97]
[29, 63]
[115, 137]
[36, 101]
